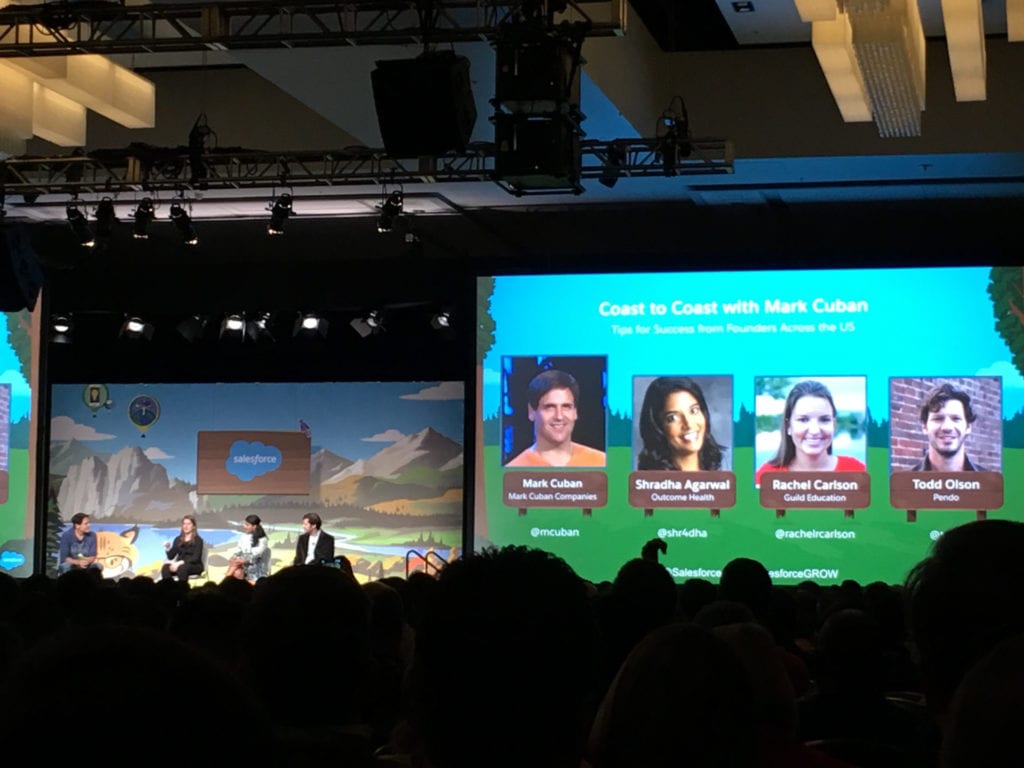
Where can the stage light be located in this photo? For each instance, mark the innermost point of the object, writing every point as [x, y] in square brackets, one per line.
[279, 214]
[135, 327]
[259, 328]
[370, 324]
[60, 329]
[232, 325]
[144, 214]
[78, 224]
[390, 209]
[183, 222]
[106, 218]
[309, 324]
[192, 328]
[441, 321]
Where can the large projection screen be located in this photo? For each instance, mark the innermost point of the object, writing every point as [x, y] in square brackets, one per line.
[828, 423]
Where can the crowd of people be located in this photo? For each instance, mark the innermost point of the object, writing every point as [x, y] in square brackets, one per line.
[509, 658]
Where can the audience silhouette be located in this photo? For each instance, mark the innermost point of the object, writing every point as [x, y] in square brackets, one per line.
[504, 664]
[508, 658]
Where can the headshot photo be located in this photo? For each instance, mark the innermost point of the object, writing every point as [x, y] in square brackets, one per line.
[682, 423]
[810, 424]
[945, 424]
[553, 411]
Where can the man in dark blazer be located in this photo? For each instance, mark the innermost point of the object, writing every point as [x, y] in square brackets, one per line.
[323, 543]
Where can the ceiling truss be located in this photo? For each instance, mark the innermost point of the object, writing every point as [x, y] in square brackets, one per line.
[60, 28]
[143, 168]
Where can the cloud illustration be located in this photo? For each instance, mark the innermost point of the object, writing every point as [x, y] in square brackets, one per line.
[446, 390]
[155, 453]
[1006, 370]
[387, 436]
[66, 428]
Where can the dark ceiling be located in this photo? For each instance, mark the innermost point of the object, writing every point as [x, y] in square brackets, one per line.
[343, 267]
[686, 25]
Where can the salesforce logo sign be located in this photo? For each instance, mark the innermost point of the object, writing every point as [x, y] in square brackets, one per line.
[247, 461]
[11, 560]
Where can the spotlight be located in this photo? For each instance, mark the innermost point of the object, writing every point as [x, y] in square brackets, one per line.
[76, 219]
[441, 321]
[106, 218]
[144, 214]
[183, 222]
[136, 328]
[279, 214]
[192, 328]
[415, 245]
[308, 324]
[259, 328]
[60, 329]
[232, 326]
[390, 210]
[371, 323]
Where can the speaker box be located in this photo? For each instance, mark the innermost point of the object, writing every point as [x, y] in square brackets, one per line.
[537, 75]
[537, 152]
[20, 274]
[425, 105]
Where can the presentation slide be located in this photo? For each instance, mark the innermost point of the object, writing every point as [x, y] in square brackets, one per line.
[829, 423]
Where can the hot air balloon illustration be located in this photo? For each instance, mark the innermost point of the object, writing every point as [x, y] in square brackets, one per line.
[95, 396]
[143, 411]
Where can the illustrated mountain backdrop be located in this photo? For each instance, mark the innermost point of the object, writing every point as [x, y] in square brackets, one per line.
[63, 456]
[423, 465]
[421, 474]
[128, 484]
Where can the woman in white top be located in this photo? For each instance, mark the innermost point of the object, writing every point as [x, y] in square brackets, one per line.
[252, 560]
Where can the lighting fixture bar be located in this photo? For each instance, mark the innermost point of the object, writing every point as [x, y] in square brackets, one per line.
[40, 30]
[119, 171]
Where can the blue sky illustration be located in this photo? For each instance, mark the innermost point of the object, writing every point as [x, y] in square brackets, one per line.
[11, 373]
[915, 322]
[352, 419]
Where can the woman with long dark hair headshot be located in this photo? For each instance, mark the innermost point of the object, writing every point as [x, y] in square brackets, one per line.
[808, 428]
[675, 427]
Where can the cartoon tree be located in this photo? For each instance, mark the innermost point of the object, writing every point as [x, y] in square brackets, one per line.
[1006, 289]
[484, 341]
[19, 337]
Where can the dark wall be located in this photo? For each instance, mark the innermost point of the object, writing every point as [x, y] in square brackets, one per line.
[343, 268]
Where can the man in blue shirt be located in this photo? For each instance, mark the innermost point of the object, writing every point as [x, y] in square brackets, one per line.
[77, 546]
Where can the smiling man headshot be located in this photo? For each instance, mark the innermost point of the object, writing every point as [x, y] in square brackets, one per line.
[552, 406]
[946, 419]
